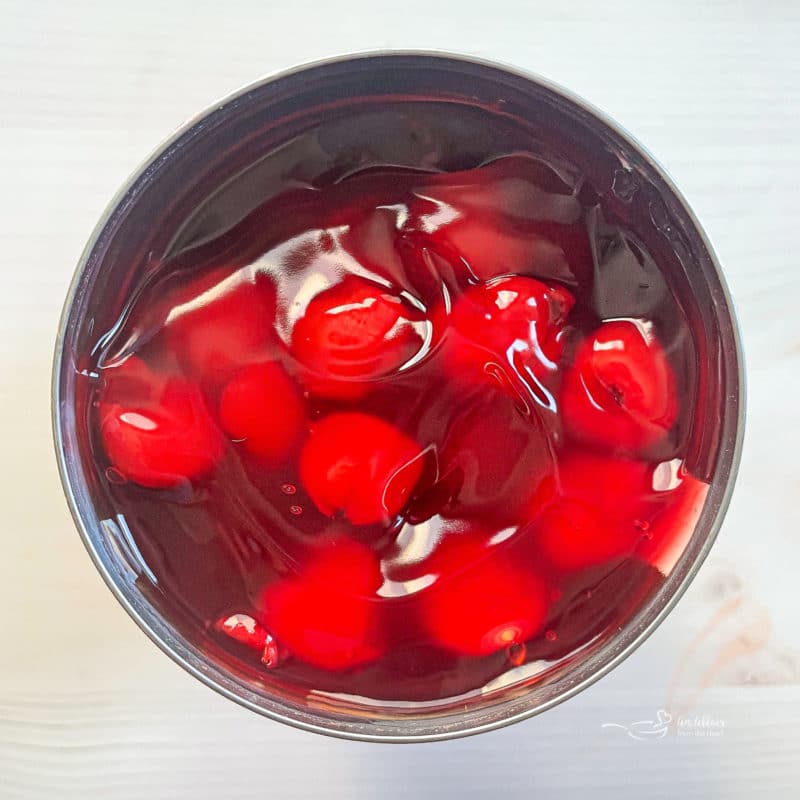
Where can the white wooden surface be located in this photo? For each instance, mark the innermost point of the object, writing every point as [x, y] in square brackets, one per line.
[88, 708]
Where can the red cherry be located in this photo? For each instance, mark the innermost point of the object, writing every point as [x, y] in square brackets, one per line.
[323, 618]
[590, 511]
[346, 562]
[497, 312]
[361, 466]
[220, 322]
[262, 406]
[514, 322]
[607, 508]
[482, 601]
[353, 332]
[620, 392]
[573, 536]
[509, 217]
[156, 430]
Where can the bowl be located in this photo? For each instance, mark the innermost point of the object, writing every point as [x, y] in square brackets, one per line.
[335, 111]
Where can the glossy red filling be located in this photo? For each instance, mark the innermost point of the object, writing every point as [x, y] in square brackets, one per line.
[395, 449]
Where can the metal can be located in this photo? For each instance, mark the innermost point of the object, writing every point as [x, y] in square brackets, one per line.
[233, 136]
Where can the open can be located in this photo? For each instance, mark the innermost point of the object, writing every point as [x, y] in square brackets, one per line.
[235, 137]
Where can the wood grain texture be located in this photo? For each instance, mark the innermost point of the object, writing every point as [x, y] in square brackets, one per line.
[88, 708]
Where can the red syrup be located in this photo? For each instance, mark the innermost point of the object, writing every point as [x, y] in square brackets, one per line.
[380, 438]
